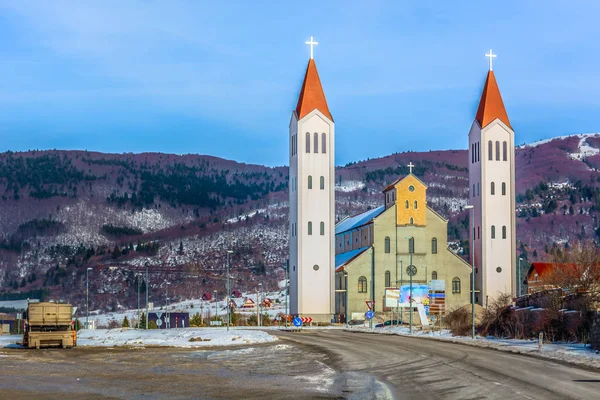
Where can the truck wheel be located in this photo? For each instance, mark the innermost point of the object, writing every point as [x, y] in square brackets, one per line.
[37, 346]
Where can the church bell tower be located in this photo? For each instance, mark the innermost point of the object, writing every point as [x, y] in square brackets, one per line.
[492, 194]
[311, 199]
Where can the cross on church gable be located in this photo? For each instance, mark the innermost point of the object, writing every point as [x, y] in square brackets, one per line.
[410, 167]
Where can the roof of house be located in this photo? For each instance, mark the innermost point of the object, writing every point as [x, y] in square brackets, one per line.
[391, 185]
[358, 220]
[491, 105]
[541, 268]
[311, 95]
[344, 258]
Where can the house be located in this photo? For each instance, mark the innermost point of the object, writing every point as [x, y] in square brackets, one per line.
[267, 303]
[236, 294]
[249, 303]
[537, 277]
[207, 296]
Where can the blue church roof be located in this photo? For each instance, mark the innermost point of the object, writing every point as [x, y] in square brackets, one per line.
[343, 258]
[358, 220]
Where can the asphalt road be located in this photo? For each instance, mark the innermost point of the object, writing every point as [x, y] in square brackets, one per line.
[417, 368]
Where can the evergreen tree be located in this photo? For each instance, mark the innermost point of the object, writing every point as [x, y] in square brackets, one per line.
[125, 322]
[152, 325]
[143, 321]
[77, 324]
[180, 247]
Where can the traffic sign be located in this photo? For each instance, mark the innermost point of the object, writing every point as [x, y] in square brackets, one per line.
[159, 322]
[369, 314]
[297, 321]
[370, 304]
[306, 320]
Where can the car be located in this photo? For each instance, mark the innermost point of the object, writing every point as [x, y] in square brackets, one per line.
[389, 323]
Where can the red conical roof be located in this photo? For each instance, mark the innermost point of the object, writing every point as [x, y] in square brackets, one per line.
[491, 105]
[311, 95]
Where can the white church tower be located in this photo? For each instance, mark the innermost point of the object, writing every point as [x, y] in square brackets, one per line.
[492, 194]
[312, 207]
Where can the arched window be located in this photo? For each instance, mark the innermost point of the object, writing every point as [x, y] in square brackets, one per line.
[504, 151]
[388, 279]
[309, 227]
[310, 181]
[434, 275]
[362, 285]
[307, 142]
[497, 150]
[434, 246]
[322, 183]
[411, 245]
[323, 143]
[490, 150]
[322, 228]
[503, 188]
[415, 205]
[406, 204]
[504, 232]
[316, 142]
[387, 244]
[456, 286]
[493, 188]
[493, 232]
[412, 221]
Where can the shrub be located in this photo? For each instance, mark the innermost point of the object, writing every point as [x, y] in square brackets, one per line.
[459, 321]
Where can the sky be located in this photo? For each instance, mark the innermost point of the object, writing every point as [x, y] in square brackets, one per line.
[222, 77]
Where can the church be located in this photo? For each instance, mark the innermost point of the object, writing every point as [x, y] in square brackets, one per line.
[339, 270]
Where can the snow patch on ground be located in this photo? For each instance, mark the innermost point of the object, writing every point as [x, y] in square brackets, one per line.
[585, 150]
[544, 141]
[350, 186]
[171, 337]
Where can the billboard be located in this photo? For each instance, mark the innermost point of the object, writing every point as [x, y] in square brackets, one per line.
[392, 295]
[420, 295]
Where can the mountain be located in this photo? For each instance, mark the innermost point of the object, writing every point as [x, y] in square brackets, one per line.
[63, 212]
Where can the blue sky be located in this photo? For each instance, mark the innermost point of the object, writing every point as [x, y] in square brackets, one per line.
[222, 77]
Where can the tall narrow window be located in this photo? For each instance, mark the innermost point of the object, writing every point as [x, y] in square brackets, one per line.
[434, 276]
[434, 246]
[478, 189]
[478, 152]
[490, 151]
[307, 142]
[412, 221]
[503, 188]
[322, 183]
[456, 286]
[415, 205]
[411, 245]
[387, 244]
[478, 233]
[323, 143]
[310, 181]
[497, 150]
[472, 153]
[316, 142]
[473, 190]
[362, 285]
[504, 151]
[322, 228]
[406, 204]
[388, 279]
[493, 232]
[309, 227]
[493, 191]
[504, 232]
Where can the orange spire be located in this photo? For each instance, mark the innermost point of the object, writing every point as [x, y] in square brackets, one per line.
[311, 95]
[491, 105]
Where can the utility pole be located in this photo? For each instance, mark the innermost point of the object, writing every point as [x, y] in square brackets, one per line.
[470, 207]
[286, 267]
[228, 291]
[147, 289]
[519, 278]
[167, 319]
[138, 308]
[259, 304]
[346, 296]
[87, 297]
[216, 309]
[411, 249]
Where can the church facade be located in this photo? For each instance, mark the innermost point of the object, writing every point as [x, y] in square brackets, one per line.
[311, 200]
[492, 195]
[374, 250]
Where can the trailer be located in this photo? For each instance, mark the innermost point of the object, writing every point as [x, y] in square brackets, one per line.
[49, 325]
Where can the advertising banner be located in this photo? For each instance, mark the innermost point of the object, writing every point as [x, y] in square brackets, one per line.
[420, 295]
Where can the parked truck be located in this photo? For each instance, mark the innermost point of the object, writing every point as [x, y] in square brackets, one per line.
[49, 325]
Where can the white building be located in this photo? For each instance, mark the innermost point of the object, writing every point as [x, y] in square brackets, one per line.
[311, 191]
[492, 194]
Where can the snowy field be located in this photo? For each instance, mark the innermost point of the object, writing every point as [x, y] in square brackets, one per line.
[185, 337]
[573, 353]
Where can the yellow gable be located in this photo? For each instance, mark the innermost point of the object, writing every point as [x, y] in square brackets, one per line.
[411, 201]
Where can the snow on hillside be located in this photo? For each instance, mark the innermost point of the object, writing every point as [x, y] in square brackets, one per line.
[350, 186]
[544, 141]
[585, 150]
[183, 337]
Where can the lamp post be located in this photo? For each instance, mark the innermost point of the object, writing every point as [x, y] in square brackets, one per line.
[167, 319]
[411, 249]
[286, 268]
[519, 278]
[346, 296]
[87, 297]
[216, 309]
[400, 291]
[228, 291]
[259, 304]
[147, 289]
[470, 207]
[138, 307]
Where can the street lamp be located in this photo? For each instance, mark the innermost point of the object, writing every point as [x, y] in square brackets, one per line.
[346, 296]
[259, 304]
[519, 278]
[138, 307]
[286, 268]
[87, 297]
[216, 309]
[147, 289]
[228, 291]
[470, 207]
[167, 319]
[411, 249]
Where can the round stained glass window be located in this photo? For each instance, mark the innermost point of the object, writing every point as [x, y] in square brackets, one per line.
[316, 267]
[411, 188]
